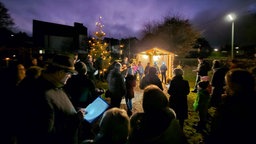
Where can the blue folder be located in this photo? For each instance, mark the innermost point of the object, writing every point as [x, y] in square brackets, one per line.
[95, 109]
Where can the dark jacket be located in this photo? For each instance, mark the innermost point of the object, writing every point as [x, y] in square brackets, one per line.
[130, 83]
[46, 115]
[218, 83]
[81, 90]
[159, 127]
[116, 84]
[203, 68]
[234, 120]
[151, 78]
[179, 90]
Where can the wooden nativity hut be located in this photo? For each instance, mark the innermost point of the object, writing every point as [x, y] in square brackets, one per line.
[159, 56]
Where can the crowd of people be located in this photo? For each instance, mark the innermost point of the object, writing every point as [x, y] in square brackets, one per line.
[46, 102]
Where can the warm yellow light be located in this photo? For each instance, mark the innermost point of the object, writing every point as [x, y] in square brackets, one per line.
[7, 59]
[145, 56]
[155, 58]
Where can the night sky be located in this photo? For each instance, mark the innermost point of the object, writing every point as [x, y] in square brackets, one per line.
[124, 18]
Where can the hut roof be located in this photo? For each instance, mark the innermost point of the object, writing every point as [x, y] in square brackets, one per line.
[156, 51]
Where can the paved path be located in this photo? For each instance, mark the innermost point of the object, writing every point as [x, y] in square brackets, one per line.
[137, 100]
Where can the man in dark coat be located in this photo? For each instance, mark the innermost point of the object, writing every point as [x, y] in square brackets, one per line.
[46, 115]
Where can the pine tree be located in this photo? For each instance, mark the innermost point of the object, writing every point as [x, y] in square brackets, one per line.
[98, 49]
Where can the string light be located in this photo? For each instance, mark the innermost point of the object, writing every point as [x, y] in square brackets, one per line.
[98, 47]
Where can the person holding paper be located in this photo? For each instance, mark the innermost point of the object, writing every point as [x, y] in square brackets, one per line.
[45, 113]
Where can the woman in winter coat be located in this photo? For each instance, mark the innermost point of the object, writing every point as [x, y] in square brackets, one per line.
[179, 90]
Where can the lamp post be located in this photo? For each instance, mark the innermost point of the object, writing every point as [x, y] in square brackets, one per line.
[231, 17]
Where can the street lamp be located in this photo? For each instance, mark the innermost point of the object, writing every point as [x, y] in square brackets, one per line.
[231, 17]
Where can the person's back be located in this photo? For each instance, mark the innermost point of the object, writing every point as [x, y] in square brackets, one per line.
[147, 68]
[80, 88]
[114, 128]
[158, 123]
[163, 70]
[178, 91]
[130, 83]
[159, 127]
[217, 83]
[116, 85]
[204, 68]
[234, 119]
[151, 78]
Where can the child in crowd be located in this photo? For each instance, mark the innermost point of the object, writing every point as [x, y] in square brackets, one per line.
[201, 104]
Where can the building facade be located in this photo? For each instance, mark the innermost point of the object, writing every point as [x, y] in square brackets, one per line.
[52, 37]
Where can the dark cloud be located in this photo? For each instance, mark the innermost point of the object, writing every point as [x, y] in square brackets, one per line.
[123, 18]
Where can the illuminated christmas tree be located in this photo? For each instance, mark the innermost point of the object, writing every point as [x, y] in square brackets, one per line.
[99, 50]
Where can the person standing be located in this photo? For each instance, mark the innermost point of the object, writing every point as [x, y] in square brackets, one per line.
[157, 68]
[45, 111]
[151, 78]
[82, 91]
[124, 69]
[116, 85]
[235, 118]
[147, 68]
[163, 70]
[80, 88]
[178, 91]
[130, 83]
[99, 67]
[202, 70]
[201, 104]
[10, 78]
[90, 68]
[217, 82]
[140, 70]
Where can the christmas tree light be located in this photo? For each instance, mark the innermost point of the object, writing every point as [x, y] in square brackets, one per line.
[99, 50]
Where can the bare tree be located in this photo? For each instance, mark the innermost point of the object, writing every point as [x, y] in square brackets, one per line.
[173, 34]
[5, 19]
